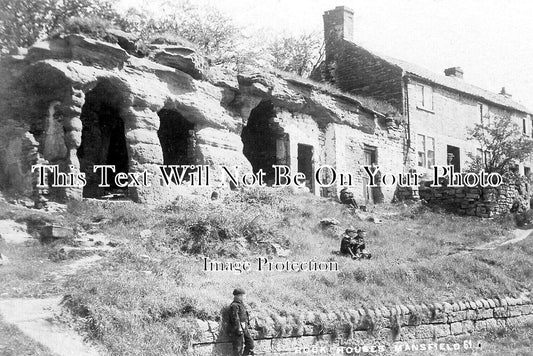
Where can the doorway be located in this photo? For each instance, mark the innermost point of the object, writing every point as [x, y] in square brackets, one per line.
[264, 141]
[454, 157]
[305, 164]
[370, 159]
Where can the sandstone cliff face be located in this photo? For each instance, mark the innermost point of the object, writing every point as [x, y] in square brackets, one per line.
[75, 102]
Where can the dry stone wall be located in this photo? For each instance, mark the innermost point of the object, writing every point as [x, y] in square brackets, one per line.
[383, 325]
[483, 202]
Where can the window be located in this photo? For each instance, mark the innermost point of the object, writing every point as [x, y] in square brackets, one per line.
[531, 127]
[424, 97]
[524, 130]
[426, 151]
[430, 151]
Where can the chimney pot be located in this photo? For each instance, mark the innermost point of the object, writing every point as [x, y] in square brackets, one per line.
[456, 72]
[505, 93]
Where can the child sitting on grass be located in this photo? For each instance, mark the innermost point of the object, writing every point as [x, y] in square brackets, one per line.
[353, 244]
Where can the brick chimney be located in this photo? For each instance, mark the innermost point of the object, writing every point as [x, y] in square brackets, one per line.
[338, 25]
[456, 72]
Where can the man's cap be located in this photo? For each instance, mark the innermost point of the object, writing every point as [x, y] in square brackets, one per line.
[361, 230]
[238, 291]
[351, 229]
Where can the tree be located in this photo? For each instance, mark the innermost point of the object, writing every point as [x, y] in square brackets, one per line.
[502, 139]
[23, 22]
[297, 54]
[213, 32]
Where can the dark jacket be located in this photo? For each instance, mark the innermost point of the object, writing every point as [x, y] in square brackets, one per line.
[355, 245]
[346, 197]
[346, 244]
[237, 315]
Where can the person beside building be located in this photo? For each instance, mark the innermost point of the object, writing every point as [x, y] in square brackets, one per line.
[347, 197]
[239, 325]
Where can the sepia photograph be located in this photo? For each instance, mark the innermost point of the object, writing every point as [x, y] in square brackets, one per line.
[275, 177]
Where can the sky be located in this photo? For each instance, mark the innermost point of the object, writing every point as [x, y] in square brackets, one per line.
[492, 40]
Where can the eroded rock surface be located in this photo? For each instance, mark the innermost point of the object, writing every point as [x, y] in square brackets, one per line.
[77, 102]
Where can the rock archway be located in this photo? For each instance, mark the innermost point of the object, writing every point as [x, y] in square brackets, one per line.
[176, 135]
[177, 139]
[264, 141]
[103, 140]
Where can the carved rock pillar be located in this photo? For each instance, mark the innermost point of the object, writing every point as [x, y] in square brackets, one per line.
[71, 111]
[144, 151]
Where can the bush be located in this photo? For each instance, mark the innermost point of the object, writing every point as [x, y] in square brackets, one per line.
[91, 26]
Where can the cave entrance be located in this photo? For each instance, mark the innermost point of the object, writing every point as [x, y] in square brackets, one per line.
[103, 141]
[177, 139]
[264, 142]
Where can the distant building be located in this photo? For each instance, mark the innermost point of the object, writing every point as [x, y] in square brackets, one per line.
[438, 108]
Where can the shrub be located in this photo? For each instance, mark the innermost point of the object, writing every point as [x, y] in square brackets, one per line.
[91, 26]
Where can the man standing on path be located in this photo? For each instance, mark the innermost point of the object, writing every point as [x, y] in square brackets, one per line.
[239, 323]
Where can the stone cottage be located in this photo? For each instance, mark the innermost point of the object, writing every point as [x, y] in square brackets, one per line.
[77, 102]
[438, 108]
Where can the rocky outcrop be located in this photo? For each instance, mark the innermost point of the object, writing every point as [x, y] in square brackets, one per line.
[87, 102]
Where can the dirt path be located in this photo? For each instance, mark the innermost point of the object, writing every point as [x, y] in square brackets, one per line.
[37, 319]
[518, 235]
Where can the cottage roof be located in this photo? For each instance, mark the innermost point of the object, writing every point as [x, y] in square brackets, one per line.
[453, 83]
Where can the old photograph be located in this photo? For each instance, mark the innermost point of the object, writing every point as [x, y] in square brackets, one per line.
[276, 177]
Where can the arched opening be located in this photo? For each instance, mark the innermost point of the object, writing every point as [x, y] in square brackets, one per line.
[177, 139]
[103, 140]
[264, 142]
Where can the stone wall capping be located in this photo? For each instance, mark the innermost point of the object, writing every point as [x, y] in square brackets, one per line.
[510, 301]
[447, 307]
[398, 310]
[497, 301]
[503, 301]
[426, 310]
[420, 311]
[404, 309]
[416, 321]
[385, 312]
[371, 314]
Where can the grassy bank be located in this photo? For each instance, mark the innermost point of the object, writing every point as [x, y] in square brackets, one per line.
[141, 297]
